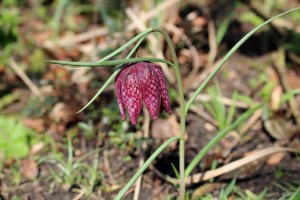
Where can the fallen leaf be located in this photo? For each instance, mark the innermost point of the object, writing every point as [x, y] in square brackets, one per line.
[61, 112]
[29, 168]
[293, 79]
[36, 148]
[276, 97]
[165, 128]
[276, 158]
[205, 189]
[280, 128]
[35, 124]
[199, 21]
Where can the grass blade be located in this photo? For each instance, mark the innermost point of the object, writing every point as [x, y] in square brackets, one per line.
[217, 139]
[229, 54]
[144, 167]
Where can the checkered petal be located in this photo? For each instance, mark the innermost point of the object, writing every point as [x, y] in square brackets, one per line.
[150, 88]
[118, 87]
[131, 94]
[163, 87]
[138, 82]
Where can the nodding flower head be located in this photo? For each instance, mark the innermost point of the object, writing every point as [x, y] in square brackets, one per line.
[138, 82]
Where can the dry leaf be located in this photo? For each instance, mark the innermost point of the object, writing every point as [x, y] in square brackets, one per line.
[205, 189]
[61, 112]
[276, 158]
[29, 168]
[276, 97]
[35, 124]
[199, 21]
[280, 128]
[36, 148]
[165, 128]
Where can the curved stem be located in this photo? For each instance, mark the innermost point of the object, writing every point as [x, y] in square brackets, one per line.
[116, 72]
[182, 116]
[228, 55]
[127, 44]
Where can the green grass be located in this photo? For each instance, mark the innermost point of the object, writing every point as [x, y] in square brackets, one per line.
[74, 172]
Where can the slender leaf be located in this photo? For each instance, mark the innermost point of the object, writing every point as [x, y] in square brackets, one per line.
[218, 138]
[144, 167]
[108, 63]
[229, 54]
[175, 171]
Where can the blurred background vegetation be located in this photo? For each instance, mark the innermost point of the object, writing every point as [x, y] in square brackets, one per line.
[47, 151]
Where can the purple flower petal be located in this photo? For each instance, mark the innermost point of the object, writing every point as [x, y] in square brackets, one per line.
[163, 88]
[138, 82]
[118, 87]
[150, 88]
[131, 94]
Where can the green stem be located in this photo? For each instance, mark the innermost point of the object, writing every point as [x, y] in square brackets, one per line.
[127, 44]
[182, 116]
[109, 63]
[144, 167]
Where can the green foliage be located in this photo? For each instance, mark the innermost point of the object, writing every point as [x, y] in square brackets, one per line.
[250, 17]
[8, 99]
[248, 195]
[36, 61]
[88, 129]
[291, 190]
[184, 106]
[293, 43]
[224, 194]
[9, 19]
[14, 138]
[71, 171]
[176, 172]
[217, 109]
[218, 137]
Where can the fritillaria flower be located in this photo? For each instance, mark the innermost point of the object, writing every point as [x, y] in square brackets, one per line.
[141, 82]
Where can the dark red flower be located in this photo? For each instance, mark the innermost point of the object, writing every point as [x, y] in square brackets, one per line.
[138, 82]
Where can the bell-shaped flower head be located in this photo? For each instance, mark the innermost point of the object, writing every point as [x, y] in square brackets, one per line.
[142, 82]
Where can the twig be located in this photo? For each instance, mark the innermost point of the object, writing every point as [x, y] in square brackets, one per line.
[81, 193]
[256, 116]
[146, 128]
[280, 66]
[213, 48]
[166, 5]
[106, 163]
[71, 40]
[192, 48]
[225, 100]
[153, 42]
[196, 178]
[235, 164]
[98, 32]
[203, 114]
[34, 89]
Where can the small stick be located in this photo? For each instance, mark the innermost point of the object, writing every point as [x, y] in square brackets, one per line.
[196, 178]
[154, 43]
[226, 101]
[106, 163]
[146, 128]
[34, 89]
[280, 67]
[192, 48]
